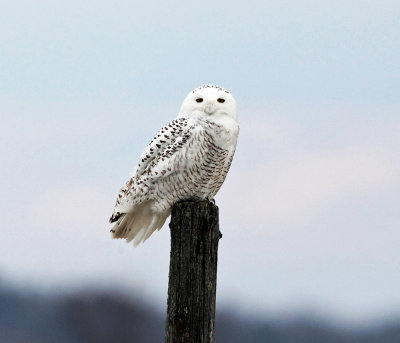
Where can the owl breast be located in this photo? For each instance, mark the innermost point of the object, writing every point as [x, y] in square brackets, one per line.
[198, 170]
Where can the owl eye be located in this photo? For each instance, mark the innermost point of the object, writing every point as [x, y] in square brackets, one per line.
[221, 100]
[199, 100]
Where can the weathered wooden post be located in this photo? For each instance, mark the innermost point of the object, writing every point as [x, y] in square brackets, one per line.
[192, 273]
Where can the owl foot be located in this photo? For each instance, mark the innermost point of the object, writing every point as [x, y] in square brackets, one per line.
[212, 200]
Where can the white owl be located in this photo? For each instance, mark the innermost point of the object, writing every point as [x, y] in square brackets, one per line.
[187, 159]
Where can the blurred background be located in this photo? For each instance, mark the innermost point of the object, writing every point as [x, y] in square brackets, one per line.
[309, 211]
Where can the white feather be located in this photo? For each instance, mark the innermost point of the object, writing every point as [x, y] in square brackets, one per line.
[188, 158]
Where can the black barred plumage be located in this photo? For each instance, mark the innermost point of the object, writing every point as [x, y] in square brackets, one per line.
[187, 159]
[210, 86]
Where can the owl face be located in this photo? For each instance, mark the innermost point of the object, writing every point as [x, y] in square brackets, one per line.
[209, 101]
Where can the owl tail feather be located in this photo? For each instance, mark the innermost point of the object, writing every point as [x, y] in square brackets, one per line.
[137, 226]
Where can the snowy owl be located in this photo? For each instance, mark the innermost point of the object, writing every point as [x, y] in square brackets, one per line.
[187, 159]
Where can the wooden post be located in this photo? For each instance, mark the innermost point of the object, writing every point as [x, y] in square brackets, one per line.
[192, 273]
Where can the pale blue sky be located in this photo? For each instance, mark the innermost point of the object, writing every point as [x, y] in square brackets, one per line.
[309, 211]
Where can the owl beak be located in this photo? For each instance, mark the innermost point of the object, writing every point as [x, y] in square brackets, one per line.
[209, 108]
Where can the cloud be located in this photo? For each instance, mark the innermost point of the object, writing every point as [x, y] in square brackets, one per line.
[70, 211]
[293, 184]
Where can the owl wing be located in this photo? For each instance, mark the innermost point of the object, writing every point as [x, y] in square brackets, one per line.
[163, 140]
[165, 143]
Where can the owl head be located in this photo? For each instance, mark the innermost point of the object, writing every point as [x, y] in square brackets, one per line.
[209, 101]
